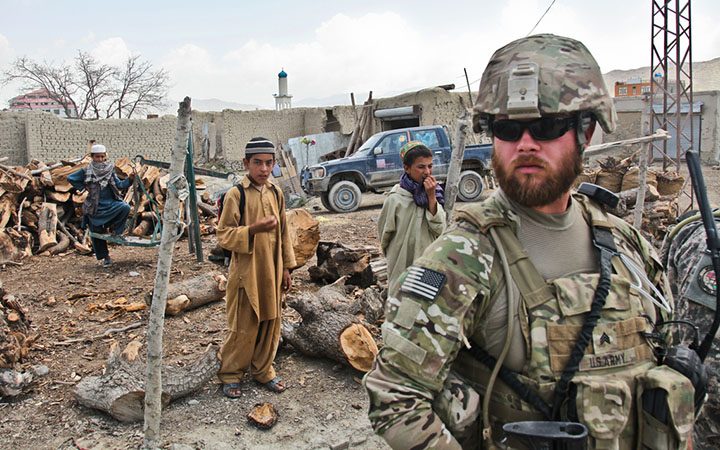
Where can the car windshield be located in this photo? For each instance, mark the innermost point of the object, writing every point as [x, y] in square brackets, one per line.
[369, 144]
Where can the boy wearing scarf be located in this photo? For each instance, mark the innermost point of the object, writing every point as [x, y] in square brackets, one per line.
[103, 208]
[412, 216]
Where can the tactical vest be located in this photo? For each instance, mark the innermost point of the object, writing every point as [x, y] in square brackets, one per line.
[603, 391]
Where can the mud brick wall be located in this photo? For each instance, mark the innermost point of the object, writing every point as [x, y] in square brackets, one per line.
[238, 127]
[12, 137]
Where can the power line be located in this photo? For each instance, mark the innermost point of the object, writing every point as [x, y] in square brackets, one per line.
[541, 18]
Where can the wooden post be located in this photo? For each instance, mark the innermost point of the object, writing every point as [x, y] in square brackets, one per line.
[170, 233]
[642, 168]
[458, 151]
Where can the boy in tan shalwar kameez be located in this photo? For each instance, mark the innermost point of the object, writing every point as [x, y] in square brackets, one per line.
[262, 255]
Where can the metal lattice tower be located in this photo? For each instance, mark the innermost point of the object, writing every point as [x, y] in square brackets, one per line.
[671, 56]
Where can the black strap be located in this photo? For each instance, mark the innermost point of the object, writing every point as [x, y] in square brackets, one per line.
[603, 240]
[510, 378]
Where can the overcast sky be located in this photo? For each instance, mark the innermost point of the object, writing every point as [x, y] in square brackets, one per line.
[233, 50]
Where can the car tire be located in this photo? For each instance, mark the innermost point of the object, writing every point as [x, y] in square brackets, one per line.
[345, 196]
[325, 200]
[470, 186]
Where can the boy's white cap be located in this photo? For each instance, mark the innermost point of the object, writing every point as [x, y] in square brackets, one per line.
[98, 148]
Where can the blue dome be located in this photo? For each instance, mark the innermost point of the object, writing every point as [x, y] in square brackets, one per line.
[282, 74]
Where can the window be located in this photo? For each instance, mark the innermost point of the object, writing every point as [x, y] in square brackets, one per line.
[634, 91]
[393, 143]
[56, 111]
[645, 90]
[622, 91]
[427, 137]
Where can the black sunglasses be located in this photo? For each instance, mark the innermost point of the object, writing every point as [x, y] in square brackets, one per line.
[542, 129]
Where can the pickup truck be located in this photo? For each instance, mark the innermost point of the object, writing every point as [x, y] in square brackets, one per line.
[377, 166]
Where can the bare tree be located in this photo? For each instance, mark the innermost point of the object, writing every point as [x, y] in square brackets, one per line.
[94, 82]
[138, 87]
[57, 81]
[90, 89]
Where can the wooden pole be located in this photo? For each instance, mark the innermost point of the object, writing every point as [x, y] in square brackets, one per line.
[642, 169]
[177, 185]
[467, 80]
[458, 151]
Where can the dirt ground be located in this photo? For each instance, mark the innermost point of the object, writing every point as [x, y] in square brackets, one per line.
[324, 406]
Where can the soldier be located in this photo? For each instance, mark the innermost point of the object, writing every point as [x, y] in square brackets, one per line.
[536, 304]
[693, 282]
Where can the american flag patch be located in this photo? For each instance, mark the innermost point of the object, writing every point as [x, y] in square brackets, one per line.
[423, 282]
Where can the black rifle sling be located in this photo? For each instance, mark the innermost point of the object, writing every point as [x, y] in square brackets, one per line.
[603, 240]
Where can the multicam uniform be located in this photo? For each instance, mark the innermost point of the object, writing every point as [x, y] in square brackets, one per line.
[693, 282]
[424, 386]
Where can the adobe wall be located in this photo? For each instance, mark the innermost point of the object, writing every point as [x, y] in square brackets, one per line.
[12, 137]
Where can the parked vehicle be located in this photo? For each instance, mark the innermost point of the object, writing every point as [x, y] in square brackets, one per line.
[377, 167]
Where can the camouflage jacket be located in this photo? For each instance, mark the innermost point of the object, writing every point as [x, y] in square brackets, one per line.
[426, 330]
[693, 282]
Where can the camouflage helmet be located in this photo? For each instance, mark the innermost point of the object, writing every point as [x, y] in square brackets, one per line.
[543, 74]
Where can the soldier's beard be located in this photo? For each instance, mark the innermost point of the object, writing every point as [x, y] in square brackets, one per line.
[537, 189]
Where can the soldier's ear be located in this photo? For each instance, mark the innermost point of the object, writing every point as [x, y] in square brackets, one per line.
[589, 132]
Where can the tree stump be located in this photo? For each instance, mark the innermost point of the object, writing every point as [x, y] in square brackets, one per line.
[120, 391]
[332, 326]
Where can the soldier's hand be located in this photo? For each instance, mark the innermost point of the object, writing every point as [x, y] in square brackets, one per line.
[267, 223]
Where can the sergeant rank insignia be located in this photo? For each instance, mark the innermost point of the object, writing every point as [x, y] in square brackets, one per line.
[424, 283]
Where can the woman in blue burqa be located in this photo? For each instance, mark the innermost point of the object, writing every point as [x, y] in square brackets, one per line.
[103, 209]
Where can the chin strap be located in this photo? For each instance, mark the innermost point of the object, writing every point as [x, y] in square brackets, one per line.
[584, 119]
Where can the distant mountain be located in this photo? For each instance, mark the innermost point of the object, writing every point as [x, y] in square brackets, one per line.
[208, 104]
[706, 75]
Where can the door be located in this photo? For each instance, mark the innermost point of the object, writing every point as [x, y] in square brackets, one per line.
[386, 168]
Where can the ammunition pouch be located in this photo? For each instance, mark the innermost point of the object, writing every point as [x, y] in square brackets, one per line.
[665, 399]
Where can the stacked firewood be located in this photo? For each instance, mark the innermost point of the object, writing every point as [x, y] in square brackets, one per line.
[662, 192]
[40, 211]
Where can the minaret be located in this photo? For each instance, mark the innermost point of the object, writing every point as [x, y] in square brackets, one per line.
[282, 100]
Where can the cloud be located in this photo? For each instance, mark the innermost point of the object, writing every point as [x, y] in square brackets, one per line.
[379, 52]
[6, 52]
[112, 51]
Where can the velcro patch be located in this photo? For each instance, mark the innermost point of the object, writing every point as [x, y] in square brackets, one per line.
[407, 313]
[424, 283]
[412, 351]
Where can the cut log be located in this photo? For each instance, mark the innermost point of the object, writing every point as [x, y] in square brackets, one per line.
[304, 234]
[359, 346]
[335, 260]
[45, 177]
[61, 173]
[15, 245]
[120, 391]
[8, 206]
[144, 228]
[16, 339]
[263, 416]
[60, 246]
[58, 197]
[324, 330]
[47, 226]
[194, 292]
[14, 179]
[211, 211]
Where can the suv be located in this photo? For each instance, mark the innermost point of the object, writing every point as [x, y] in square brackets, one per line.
[377, 167]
